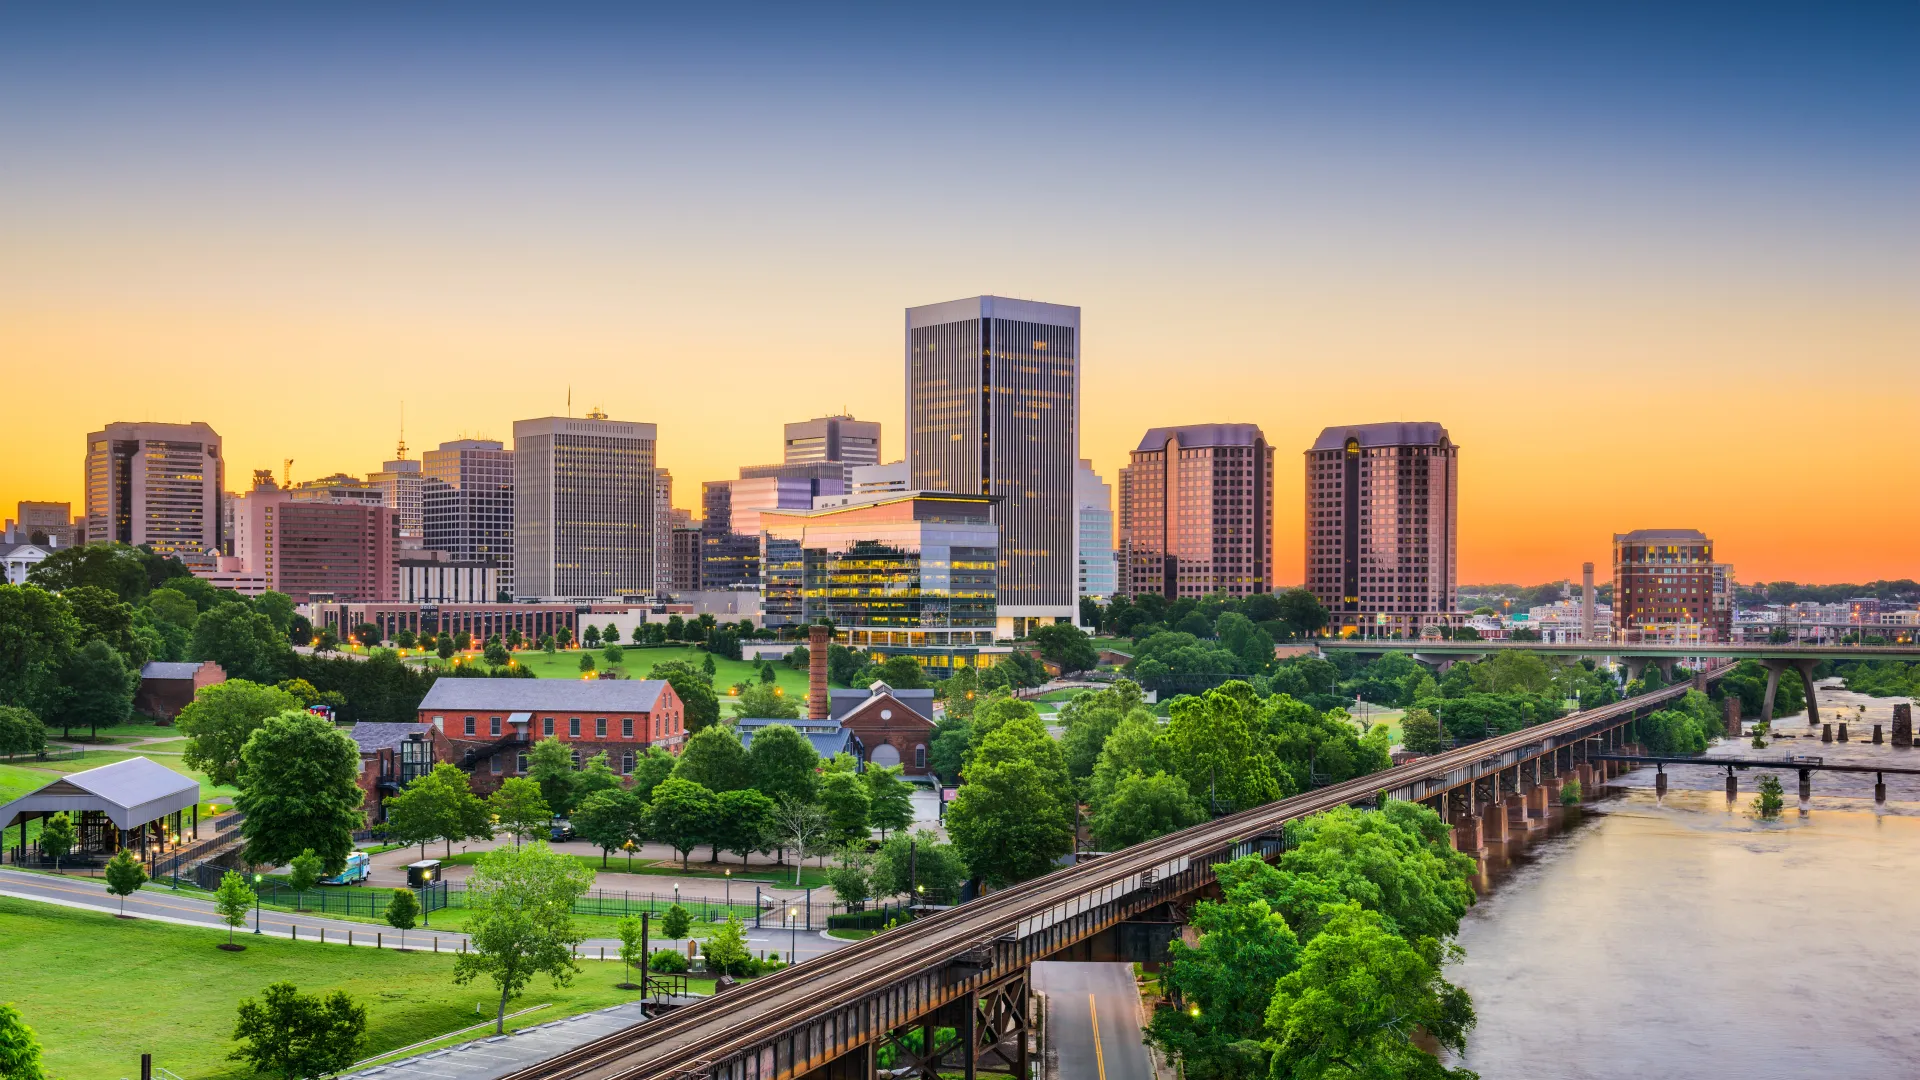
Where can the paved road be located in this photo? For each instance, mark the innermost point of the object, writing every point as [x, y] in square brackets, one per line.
[168, 906]
[1093, 1018]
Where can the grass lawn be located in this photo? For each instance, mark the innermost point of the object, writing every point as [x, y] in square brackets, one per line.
[99, 990]
[1062, 695]
[565, 664]
[810, 877]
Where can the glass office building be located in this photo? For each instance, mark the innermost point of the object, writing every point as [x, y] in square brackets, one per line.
[918, 571]
[993, 406]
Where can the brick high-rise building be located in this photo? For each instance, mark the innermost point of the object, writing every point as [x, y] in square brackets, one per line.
[1196, 512]
[1382, 526]
[1664, 587]
[317, 548]
[156, 484]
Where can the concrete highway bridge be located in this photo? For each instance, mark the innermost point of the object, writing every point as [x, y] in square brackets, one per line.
[967, 968]
[1778, 658]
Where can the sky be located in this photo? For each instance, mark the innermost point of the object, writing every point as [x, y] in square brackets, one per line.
[1653, 266]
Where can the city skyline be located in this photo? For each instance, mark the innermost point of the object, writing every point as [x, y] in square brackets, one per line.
[1530, 253]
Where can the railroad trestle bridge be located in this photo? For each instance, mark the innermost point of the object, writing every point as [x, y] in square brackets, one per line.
[966, 970]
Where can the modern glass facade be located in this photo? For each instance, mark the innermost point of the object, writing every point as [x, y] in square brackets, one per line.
[919, 570]
[1093, 505]
[466, 504]
[993, 407]
[158, 484]
[585, 508]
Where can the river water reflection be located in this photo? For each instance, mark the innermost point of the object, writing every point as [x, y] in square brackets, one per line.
[1684, 938]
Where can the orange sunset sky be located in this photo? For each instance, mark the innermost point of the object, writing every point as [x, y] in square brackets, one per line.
[1631, 310]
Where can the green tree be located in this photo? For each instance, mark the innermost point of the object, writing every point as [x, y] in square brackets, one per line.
[495, 654]
[1357, 998]
[1143, 807]
[57, 838]
[519, 807]
[99, 687]
[21, 732]
[699, 706]
[293, 1035]
[550, 765]
[1225, 981]
[1396, 861]
[1133, 748]
[438, 806]
[586, 662]
[19, 1047]
[844, 797]
[608, 819]
[681, 814]
[851, 877]
[1068, 646]
[1216, 745]
[1420, 732]
[707, 666]
[37, 633]
[613, 654]
[221, 718]
[889, 798]
[743, 823]
[520, 920]
[1013, 817]
[590, 637]
[103, 616]
[1302, 612]
[765, 701]
[1252, 646]
[303, 873]
[299, 789]
[801, 827]
[444, 647]
[277, 607]
[727, 949]
[243, 642]
[677, 923]
[596, 775]
[714, 759]
[633, 948]
[403, 911]
[232, 900]
[653, 766]
[1772, 798]
[116, 567]
[917, 864]
[783, 763]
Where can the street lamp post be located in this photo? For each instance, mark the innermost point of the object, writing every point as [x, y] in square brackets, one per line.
[729, 891]
[256, 902]
[793, 935]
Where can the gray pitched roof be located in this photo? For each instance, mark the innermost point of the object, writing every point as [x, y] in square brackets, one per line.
[842, 702]
[826, 744]
[169, 669]
[130, 793]
[373, 736]
[544, 695]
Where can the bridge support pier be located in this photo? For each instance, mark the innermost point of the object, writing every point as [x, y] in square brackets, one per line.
[1805, 667]
[1552, 789]
[1826, 732]
[1843, 731]
[1733, 715]
[1494, 824]
[1774, 667]
[1466, 837]
[1660, 783]
[1876, 735]
[1733, 786]
[1903, 727]
[1583, 772]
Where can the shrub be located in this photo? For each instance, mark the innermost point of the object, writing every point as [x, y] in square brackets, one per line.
[667, 962]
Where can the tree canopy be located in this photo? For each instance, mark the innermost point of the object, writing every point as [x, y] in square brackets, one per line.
[299, 790]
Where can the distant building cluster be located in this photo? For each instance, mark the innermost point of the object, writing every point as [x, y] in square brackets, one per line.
[991, 523]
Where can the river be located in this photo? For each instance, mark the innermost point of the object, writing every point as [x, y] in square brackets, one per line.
[1682, 937]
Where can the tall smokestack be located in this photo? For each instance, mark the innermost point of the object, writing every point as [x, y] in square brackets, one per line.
[1586, 602]
[817, 671]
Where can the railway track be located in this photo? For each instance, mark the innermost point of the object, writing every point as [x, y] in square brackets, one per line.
[683, 1043]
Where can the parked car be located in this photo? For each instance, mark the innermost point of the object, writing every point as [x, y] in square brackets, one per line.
[354, 873]
[562, 829]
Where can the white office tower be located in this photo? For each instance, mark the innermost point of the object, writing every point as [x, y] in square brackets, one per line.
[585, 508]
[1099, 574]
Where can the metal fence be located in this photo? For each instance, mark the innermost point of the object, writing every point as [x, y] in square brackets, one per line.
[371, 901]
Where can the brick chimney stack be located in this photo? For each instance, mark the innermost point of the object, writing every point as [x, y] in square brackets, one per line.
[817, 672]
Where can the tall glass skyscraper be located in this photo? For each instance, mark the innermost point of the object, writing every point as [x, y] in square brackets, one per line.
[466, 504]
[585, 508]
[157, 484]
[1093, 506]
[993, 407]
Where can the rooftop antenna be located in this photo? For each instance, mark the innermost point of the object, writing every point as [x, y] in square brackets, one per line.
[569, 402]
[401, 453]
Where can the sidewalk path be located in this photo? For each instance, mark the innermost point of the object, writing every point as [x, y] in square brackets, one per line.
[167, 906]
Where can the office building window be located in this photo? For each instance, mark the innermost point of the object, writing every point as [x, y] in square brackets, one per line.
[470, 729]
[493, 725]
[546, 726]
[626, 727]
[573, 727]
[599, 727]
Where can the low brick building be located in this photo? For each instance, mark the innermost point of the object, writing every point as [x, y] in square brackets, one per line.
[487, 725]
[894, 726]
[167, 687]
[391, 756]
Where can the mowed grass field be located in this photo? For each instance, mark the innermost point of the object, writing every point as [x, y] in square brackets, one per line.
[100, 991]
[565, 664]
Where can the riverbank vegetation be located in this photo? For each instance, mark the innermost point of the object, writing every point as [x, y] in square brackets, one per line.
[1328, 964]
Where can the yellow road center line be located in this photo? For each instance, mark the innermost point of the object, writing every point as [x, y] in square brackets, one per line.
[1099, 1058]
